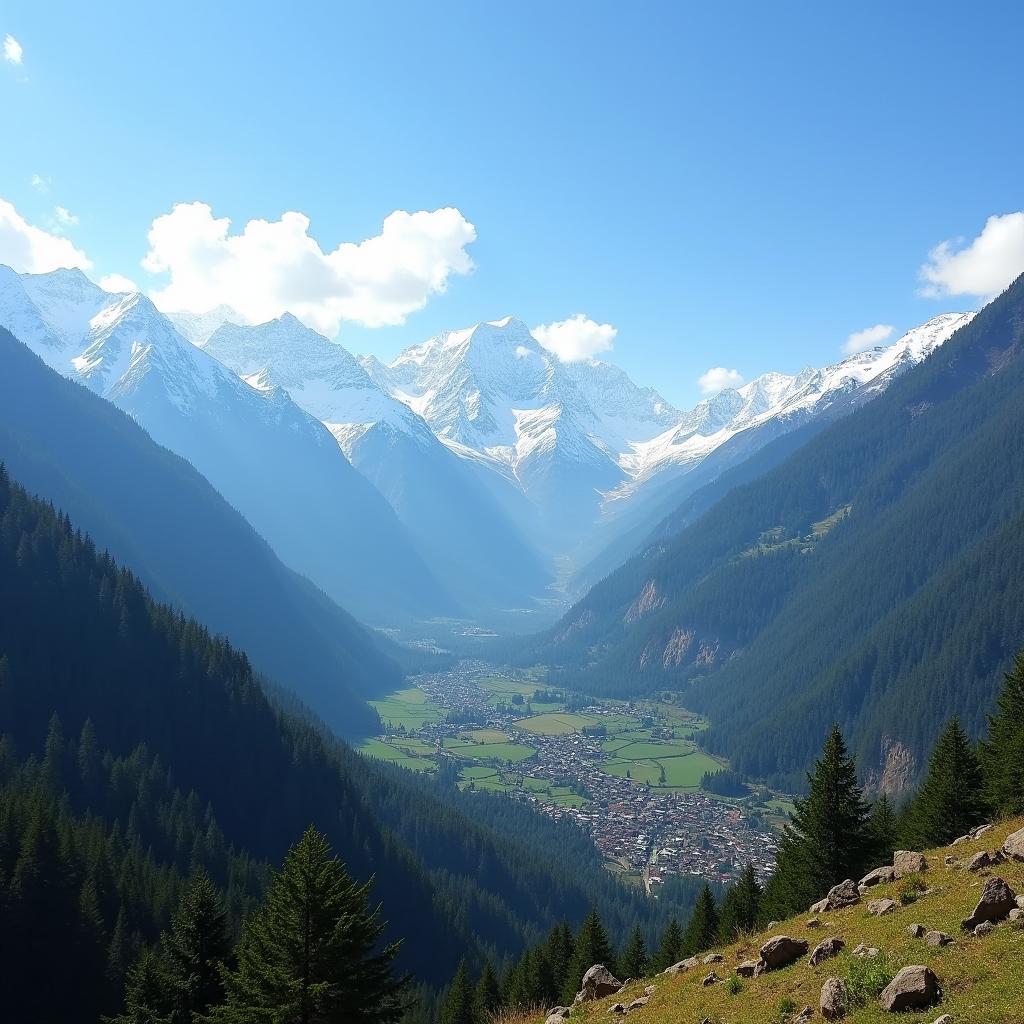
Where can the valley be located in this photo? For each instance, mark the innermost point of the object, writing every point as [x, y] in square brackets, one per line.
[628, 772]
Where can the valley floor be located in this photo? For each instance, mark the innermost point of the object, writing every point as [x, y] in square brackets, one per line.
[627, 772]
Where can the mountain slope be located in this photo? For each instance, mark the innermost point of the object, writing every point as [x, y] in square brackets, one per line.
[280, 467]
[854, 582]
[155, 513]
[460, 529]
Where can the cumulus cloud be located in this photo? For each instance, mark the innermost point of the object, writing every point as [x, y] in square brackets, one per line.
[272, 267]
[983, 267]
[717, 378]
[576, 338]
[28, 249]
[117, 283]
[858, 341]
[13, 50]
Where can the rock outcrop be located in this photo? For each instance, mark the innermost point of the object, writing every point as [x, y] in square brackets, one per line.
[781, 951]
[1013, 847]
[908, 862]
[826, 950]
[597, 983]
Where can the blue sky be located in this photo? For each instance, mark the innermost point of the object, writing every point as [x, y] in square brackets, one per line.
[738, 186]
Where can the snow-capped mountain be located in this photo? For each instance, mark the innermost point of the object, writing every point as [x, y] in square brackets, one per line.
[197, 327]
[458, 521]
[274, 462]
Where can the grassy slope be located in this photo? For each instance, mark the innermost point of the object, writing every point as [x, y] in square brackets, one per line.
[982, 978]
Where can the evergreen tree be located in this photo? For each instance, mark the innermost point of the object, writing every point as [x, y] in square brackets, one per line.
[702, 931]
[308, 954]
[488, 993]
[559, 946]
[828, 837]
[670, 949]
[459, 1004]
[1002, 754]
[591, 947]
[884, 829]
[951, 800]
[635, 962]
[741, 908]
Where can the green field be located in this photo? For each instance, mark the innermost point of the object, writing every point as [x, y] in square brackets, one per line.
[410, 708]
[682, 770]
[386, 752]
[556, 724]
[510, 752]
[486, 736]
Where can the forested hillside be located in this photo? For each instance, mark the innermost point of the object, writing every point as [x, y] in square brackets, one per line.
[130, 726]
[874, 577]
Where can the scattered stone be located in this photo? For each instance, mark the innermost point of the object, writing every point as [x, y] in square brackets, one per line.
[710, 979]
[914, 988]
[617, 1008]
[713, 958]
[561, 1012]
[880, 876]
[826, 950]
[985, 859]
[1014, 845]
[835, 997]
[878, 908]
[749, 968]
[949, 861]
[866, 951]
[814, 922]
[946, 1018]
[682, 967]
[781, 951]
[934, 938]
[597, 983]
[981, 830]
[997, 900]
[1016, 914]
[650, 990]
[985, 928]
[637, 1003]
[845, 894]
[908, 862]
[805, 1016]
[917, 931]
[962, 839]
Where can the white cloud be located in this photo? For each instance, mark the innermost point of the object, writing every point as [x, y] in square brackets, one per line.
[117, 283]
[13, 51]
[858, 341]
[40, 183]
[28, 249]
[272, 267]
[984, 267]
[65, 217]
[717, 378]
[576, 338]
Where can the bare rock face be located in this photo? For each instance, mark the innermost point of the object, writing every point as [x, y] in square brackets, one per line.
[597, 983]
[781, 951]
[1014, 845]
[835, 998]
[878, 908]
[880, 876]
[914, 988]
[997, 900]
[749, 969]
[826, 950]
[682, 967]
[934, 938]
[908, 862]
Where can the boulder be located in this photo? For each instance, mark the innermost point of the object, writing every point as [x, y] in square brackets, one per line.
[864, 951]
[1020, 901]
[617, 1008]
[985, 928]
[597, 983]
[880, 876]
[713, 958]
[637, 1003]
[1016, 914]
[845, 894]
[561, 1012]
[961, 839]
[826, 950]
[935, 938]
[749, 969]
[949, 861]
[821, 907]
[554, 1018]
[814, 922]
[835, 998]
[997, 900]
[805, 1016]
[946, 1018]
[914, 988]
[1013, 847]
[980, 860]
[981, 830]
[781, 951]
[710, 979]
[650, 990]
[917, 931]
[908, 862]
[878, 908]
[684, 965]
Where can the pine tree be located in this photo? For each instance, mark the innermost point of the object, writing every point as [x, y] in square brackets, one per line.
[951, 800]
[741, 907]
[308, 954]
[670, 949]
[635, 962]
[828, 838]
[884, 829]
[459, 1005]
[487, 997]
[1002, 754]
[702, 931]
[591, 947]
[559, 946]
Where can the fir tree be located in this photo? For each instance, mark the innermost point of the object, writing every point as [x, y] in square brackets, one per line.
[828, 837]
[487, 997]
[702, 931]
[670, 949]
[559, 947]
[635, 962]
[308, 954]
[1002, 754]
[951, 800]
[741, 907]
[459, 1004]
[591, 947]
[884, 829]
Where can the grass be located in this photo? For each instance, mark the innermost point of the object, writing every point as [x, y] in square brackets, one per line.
[486, 736]
[681, 771]
[981, 978]
[560, 724]
[387, 752]
[410, 708]
[511, 752]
